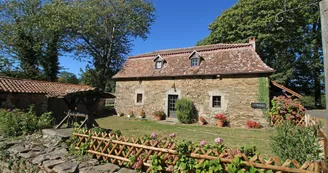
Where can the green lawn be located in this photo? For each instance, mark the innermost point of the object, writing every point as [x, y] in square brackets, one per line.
[232, 137]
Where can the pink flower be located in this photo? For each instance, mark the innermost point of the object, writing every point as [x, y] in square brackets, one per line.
[172, 135]
[203, 143]
[153, 135]
[218, 140]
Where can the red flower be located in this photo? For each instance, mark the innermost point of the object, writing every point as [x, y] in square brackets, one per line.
[221, 117]
[253, 124]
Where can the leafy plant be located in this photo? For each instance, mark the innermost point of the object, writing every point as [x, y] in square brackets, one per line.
[46, 120]
[287, 109]
[185, 110]
[18, 122]
[221, 117]
[253, 124]
[156, 164]
[249, 151]
[296, 142]
[202, 120]
[160, 114]
[210, 166]
[142, 113]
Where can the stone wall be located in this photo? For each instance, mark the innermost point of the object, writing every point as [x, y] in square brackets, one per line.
[23, 101]
[237, 94]
[48, 153]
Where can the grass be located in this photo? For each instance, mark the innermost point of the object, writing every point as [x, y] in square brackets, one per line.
[232, 137]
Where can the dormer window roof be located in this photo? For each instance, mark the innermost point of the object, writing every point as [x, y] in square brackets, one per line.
[159, 61]
[194, 59]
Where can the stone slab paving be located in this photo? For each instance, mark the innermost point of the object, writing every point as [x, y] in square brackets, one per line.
[48, 153]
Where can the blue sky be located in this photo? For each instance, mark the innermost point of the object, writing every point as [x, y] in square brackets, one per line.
[178, 23]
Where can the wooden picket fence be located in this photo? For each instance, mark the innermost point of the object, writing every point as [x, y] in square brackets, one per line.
[120, 149]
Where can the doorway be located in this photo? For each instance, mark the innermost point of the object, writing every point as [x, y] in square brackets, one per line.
[172, 99]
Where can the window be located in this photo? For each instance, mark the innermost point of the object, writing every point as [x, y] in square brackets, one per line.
[158, 65]
[194, 62]
[139, 98]
[216, 101]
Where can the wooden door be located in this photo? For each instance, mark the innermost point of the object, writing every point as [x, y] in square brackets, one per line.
[172, 99]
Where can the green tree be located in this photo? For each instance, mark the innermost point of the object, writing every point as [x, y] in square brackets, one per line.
[27, 36]
[67, 77]
[36, 32]
[89, 77]
[19, 36]
[105, 32]
[293, 47]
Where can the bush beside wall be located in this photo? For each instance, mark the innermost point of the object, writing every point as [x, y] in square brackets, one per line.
[185, 110]
[17, 122]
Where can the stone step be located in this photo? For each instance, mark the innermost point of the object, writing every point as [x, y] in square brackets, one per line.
[169, 121]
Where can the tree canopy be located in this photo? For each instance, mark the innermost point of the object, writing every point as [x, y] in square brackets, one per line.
[67, 77]
[36, 32]
[292, 47]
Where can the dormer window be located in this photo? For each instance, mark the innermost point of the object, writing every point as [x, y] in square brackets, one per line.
[159, 61]
[194, 59]
[158, 64]
[194, 62]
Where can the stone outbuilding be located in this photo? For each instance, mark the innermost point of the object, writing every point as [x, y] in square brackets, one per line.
[219, 78]
[43, 95]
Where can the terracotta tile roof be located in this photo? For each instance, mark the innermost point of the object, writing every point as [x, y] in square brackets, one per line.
[13, 85]
[286, 89]
[215, 59]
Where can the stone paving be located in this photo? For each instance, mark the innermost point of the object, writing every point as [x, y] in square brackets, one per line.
[48, 153]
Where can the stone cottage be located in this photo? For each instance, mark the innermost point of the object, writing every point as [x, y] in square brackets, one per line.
[219, 78]
[45, 96]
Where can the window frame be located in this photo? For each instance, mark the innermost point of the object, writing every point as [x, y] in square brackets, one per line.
[214, 101]
[142, 98]
[161, 62]
[192, 64]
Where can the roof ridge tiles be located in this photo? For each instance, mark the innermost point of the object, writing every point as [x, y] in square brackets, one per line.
[202, 48]
[40, 81]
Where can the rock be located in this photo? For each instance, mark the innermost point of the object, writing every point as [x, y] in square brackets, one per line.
[49, 164]
[87, 170]
[108, 167]
[36, 148]
[14, 142]
[49, 149]
[93, 162]
[58, 153]
[67, 167]
[17, 149]
[126, 170]
[28, 155]
[83, 165]
[4, 164]
[51, 133]
[39, 159]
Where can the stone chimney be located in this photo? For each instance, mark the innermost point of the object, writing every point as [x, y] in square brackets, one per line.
[252, 40]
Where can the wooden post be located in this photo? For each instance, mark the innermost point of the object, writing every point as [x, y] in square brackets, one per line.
[324, 33]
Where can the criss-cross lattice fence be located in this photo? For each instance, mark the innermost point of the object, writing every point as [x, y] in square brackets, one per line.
[307, 120]
[121, 149]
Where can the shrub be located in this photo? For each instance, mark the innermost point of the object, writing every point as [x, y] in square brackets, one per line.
[16, 122]
[296, 142]
[159, 114]
[287, 109]
[46, 120]
[185, 110]
[253, 124]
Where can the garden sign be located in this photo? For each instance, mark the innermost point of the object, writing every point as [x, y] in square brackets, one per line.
[258, 105]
